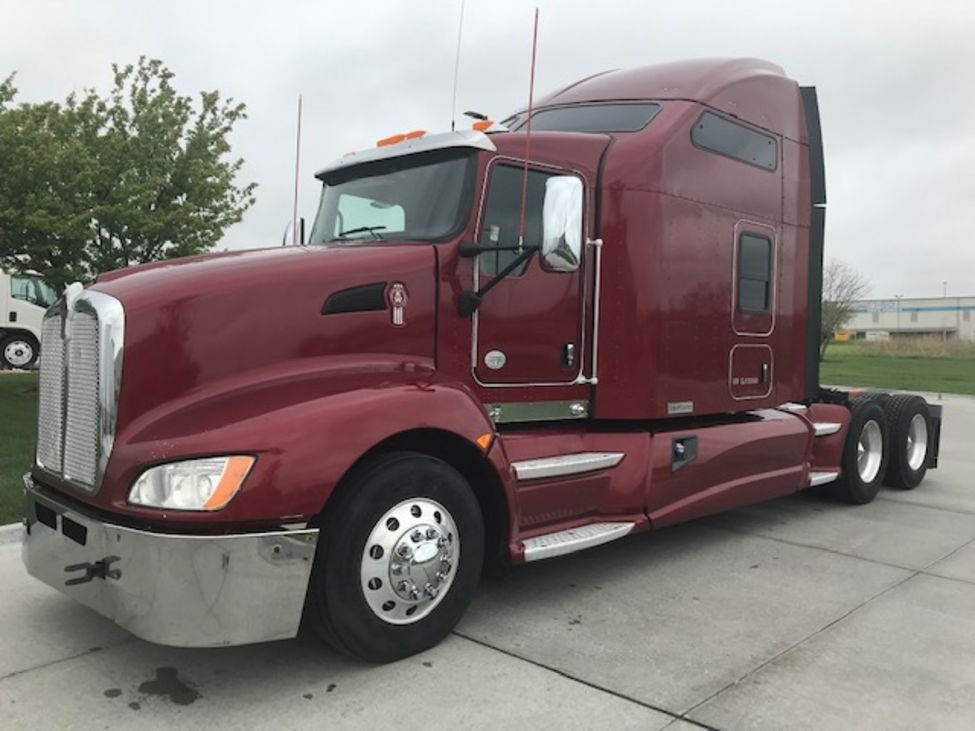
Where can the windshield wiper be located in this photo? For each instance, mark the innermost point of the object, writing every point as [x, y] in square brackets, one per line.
[374, 230]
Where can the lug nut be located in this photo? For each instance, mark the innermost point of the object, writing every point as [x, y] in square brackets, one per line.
[396, 569]
[416, 536]
[404, 551]
[403, 587]
[431, 533]
[414, 593]
[445, 567]
[430, 590]
[441, 577]
[441, 542]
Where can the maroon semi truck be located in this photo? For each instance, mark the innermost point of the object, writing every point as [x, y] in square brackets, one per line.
[475, 359]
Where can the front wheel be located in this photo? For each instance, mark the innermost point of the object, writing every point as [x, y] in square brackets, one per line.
[399, 557]
[18, 351]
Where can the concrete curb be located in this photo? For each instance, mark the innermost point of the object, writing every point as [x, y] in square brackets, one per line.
[11, 533]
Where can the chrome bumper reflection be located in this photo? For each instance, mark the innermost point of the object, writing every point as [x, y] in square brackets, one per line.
[180, 590]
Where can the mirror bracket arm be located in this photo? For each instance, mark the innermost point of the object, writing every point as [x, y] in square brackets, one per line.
[470, 301]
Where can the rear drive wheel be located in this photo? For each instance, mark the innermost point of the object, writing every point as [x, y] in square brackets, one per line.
[18, 351]
[910, 427]
[398, 559]
[864, 454]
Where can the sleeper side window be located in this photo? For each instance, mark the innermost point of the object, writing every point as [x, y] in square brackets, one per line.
[718, 134]
[754, 273]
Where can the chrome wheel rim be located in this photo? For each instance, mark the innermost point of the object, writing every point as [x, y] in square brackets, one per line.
[409, 561]
[19, 353]
[917, 442]
[870, 451]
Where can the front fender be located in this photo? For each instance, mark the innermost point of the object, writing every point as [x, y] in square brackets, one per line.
[306, 434]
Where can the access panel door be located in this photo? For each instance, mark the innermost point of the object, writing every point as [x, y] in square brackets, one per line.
[528, 328]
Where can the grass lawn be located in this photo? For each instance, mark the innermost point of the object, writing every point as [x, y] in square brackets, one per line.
[850, 364]
[18, 425]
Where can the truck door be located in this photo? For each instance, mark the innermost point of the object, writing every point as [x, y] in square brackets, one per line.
[529, 328]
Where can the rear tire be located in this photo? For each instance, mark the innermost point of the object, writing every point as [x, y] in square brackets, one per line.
[864, 454]
[910, 440]
[398, 559]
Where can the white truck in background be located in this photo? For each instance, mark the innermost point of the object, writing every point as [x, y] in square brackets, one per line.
[24, 298]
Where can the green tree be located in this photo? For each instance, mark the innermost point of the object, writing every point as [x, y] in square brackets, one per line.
[842, 287]
[98, 183]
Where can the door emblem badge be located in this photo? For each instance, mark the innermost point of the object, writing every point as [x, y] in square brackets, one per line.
[398, 297]
[495, 360]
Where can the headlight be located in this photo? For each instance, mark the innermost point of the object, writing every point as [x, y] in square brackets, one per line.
[194, 484]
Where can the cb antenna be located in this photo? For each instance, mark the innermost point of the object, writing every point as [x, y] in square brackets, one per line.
[453, 102]
[528, 137]
[294, 210]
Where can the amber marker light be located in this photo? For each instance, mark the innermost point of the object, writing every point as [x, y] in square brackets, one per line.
[233, 477]
[482, 125]
[484, 441]
[391, 140]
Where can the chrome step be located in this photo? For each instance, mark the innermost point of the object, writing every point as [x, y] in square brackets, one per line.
[821, 478]
[574, 539]
[825, 428]
[565, 464]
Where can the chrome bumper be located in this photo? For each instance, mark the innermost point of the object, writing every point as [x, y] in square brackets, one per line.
[180, 590]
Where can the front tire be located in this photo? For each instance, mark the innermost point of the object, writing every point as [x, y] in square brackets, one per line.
[18, 351]
[399, 557]
[864, 454]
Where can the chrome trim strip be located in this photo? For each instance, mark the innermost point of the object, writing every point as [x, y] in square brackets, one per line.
[596, 244]
[111, 332]
[574, 539]
[822, 478]
[173, 589]
[824, 428]
[518, 411]
[442, 141]
[565, 464]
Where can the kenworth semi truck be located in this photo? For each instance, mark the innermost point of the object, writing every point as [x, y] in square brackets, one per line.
[476, 358]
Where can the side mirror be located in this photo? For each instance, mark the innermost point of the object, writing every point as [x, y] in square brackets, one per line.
[562, 223]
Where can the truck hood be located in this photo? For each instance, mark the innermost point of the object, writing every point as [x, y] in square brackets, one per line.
[215, 323]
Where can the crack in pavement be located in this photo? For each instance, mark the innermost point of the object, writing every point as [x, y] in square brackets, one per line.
[85, 653]
[589, 684]
[766, 663]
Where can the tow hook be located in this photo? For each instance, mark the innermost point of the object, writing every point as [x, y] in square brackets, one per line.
[97, 569]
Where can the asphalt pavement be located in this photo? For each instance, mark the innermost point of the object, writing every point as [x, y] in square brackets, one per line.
[798, 613]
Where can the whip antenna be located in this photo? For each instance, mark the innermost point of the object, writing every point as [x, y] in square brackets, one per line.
[528, 137]
[294, 210]
[453, 102]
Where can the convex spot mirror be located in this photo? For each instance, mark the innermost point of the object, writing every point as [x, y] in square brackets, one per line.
[562, 223]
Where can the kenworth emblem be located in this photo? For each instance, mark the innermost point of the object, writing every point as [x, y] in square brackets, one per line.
[398, 297]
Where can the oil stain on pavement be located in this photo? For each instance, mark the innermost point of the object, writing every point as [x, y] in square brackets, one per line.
[168, 684]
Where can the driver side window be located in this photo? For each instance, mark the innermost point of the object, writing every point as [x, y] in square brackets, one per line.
[502, 216]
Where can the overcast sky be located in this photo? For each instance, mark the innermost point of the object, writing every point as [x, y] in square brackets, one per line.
[895, 81]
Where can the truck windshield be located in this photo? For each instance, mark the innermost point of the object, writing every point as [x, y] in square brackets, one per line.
[32, 289]
[425, 196]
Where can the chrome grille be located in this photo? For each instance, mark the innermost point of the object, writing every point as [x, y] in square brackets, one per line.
[82, 417]
[50, 417]
[81, 364]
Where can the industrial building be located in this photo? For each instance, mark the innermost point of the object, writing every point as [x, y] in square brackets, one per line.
[947, 317]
